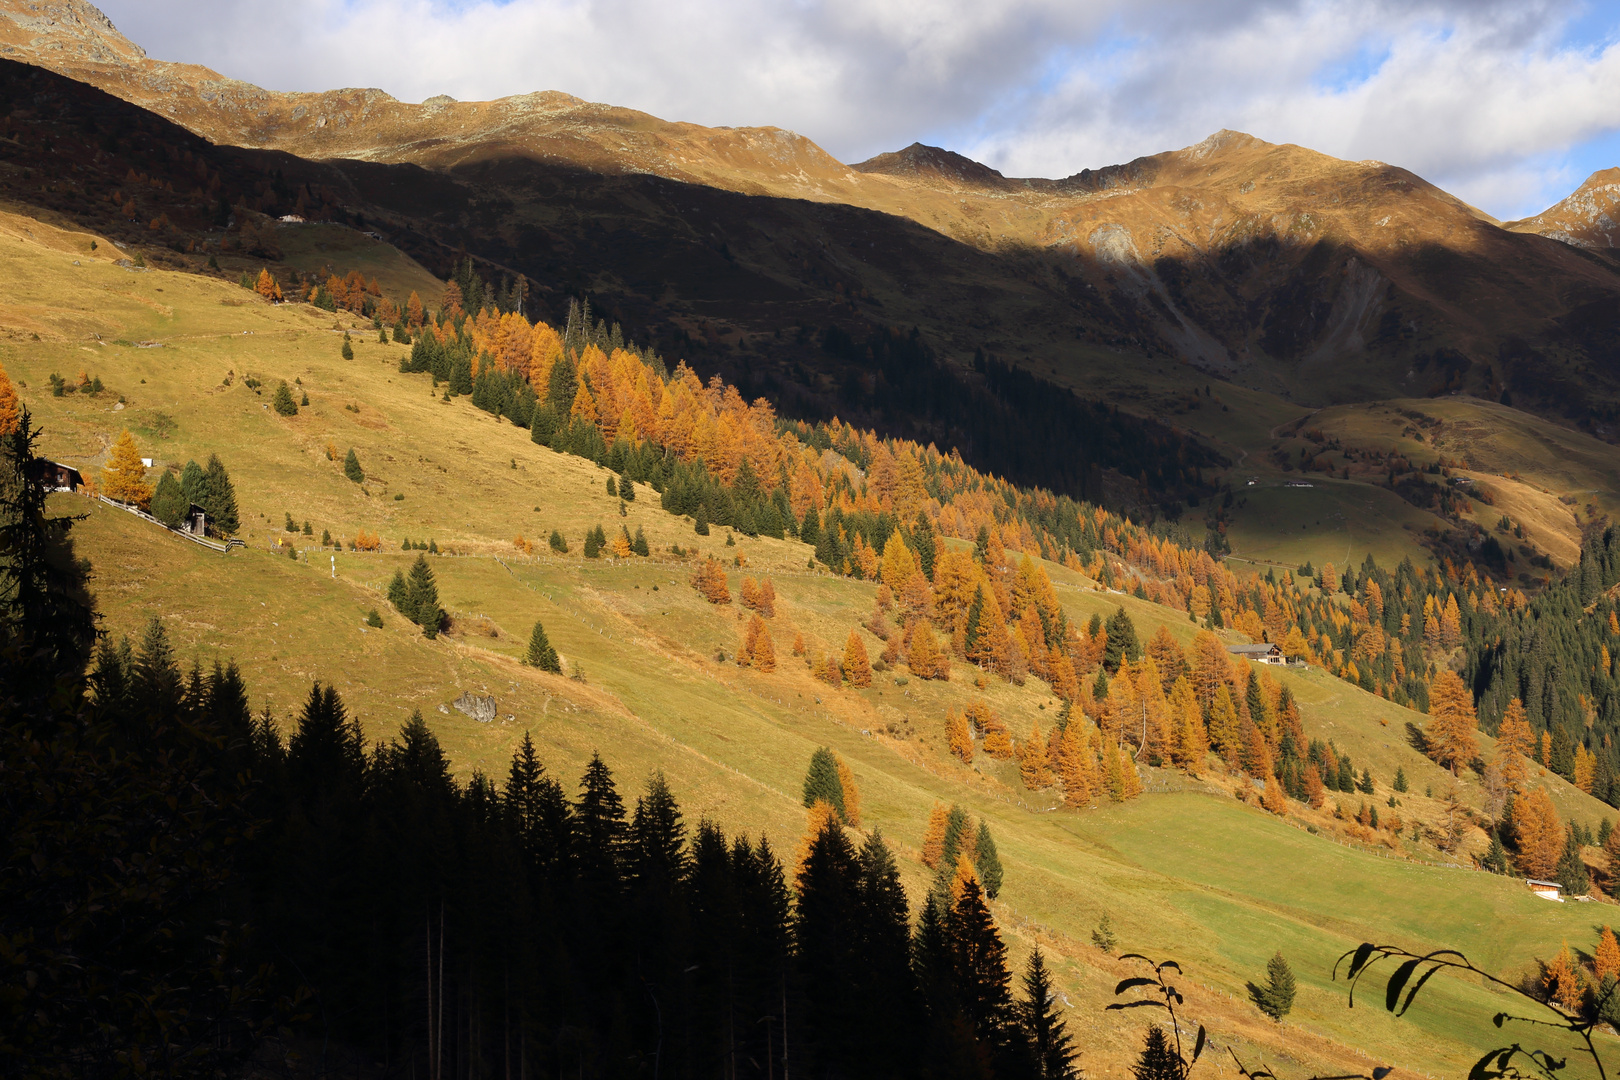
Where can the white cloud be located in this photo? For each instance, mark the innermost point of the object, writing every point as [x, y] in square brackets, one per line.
[1481, 96]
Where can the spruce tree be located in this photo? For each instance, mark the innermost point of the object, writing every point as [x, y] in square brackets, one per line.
[599, 832]
[351, 467]
[821, 781]
[612, 486]
[1158, 1059]
[422, 598]
[169, 502]
[1400, 781]
[986, 861]
[1495, 859]
[1276, 998]
[627, 489]
[348, 347]
[558, 544]
[541, 654]
[217, 497]
[982, 981]
[829, 945]
[1572, 873]
[282, 401]
[1051, 1050]
[1122, 642]
[593, 546]
[810, 528]
[702, 526]
[887, 991]
[639, 544]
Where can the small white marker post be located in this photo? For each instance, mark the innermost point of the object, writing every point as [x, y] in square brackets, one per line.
[334, 568]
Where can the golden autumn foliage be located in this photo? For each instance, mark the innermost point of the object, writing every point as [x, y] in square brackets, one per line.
[852, 794]
[1538, 832]
[10, 411]
[1606, 957]
[923, 656]
[1034, 763]
[1272, 798]
[710, 581]
[857, 669]
[1563, 980]
[1077, 765]
[933, 846]
[124, 478]
[1452, 724]
[758, 649]
[959, 736]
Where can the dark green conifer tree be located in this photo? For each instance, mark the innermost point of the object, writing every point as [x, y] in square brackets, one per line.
[282, 401]
[351, 467]
[558, 544]
[169, 502]
[810, 528]
[1276, 997]
[540, 653]
[217, 497]
[1572, 873]
[627, 489]
[639, 544]
[821, 781]
[1122, 643]
[1158, 1059]
[422, 598]
[986, 861]
[702, 526]
[1051, 1049]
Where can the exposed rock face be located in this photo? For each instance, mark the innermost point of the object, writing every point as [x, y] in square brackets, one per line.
[1588, 218]
[480, 707]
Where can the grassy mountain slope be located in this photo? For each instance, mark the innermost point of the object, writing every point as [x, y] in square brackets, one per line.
[1185, 870]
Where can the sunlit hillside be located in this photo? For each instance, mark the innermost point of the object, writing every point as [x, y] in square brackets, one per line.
[1185, 869]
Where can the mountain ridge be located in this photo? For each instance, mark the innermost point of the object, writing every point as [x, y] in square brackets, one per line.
[1270, 265]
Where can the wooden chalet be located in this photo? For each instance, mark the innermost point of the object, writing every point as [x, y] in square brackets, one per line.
[55, 476]
[1264, 653]
[1547, 890]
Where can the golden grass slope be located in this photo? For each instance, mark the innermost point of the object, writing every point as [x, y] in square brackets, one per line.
[1185, 870]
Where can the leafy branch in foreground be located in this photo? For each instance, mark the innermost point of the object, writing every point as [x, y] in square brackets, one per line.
[1501, 1062]
[1158, 993]
[1162, 1062]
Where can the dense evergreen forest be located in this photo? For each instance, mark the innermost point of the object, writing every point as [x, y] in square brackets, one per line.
[181, 885]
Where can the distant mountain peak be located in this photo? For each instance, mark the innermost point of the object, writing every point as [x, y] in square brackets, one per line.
[1589, 217]
[71, 26]
[923, 162]
[1223, 139]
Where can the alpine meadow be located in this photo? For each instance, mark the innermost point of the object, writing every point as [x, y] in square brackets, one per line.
[529, 589]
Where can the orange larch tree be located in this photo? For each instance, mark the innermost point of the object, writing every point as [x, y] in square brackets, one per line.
[857, 669]
[10, 411]
[1452, 722]
[124, 478]
[710, 581]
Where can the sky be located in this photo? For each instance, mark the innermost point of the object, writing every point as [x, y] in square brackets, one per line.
[1508, 105]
